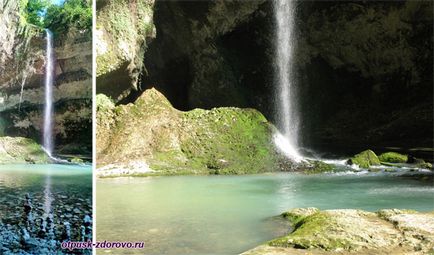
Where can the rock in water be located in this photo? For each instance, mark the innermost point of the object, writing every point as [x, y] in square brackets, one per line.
[393, 157]
[365, 159]
[389, 231]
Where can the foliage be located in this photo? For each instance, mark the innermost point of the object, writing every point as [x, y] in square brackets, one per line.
[73, 13]
[32, 11]
[58, 18]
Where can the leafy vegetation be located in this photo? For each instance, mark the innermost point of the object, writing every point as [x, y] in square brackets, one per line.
[73, 13]
[32, 11]
[58, 18]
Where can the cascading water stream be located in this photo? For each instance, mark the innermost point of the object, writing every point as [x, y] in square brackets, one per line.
[48, 117]
[284, 94]
[23, 82]
[48, 106]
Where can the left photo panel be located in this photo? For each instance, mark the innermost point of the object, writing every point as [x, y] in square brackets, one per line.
[45, 125]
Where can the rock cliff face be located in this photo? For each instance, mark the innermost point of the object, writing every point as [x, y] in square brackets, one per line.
[22, 68]
[124, 29]
[365, 74]
[363, 69]
[212, 53]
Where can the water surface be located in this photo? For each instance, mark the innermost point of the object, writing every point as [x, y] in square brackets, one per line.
[70, 188]
[231, 214]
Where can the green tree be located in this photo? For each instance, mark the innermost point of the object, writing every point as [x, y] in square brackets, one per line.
[33, 11]
[73, 13]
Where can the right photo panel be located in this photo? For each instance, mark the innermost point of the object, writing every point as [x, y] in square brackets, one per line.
[264, 127]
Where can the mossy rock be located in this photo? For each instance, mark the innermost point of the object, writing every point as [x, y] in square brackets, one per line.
[14, 150]
[419, 163]
[393, 157]
[224, 140]
[425, 165]
[317, 167]
[365, 159]
[351, 231]
[76, 160]
[311, 232]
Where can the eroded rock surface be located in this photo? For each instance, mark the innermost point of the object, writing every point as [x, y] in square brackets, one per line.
[15, 150]
[123, 32]
[349, 231]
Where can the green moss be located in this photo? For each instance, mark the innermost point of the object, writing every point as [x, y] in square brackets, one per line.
[228, 141]
[317, 167]
[125, 28]
[76, 160]
[104, 103]
[309, 233]
[365, 159]
[393, 157]
[219, 141]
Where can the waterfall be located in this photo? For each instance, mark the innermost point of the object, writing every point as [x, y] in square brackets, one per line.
[48, 106]
[23, 82]
[48, 118]
[285, 97]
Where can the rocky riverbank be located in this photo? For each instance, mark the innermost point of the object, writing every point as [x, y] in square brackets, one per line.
[350, 231]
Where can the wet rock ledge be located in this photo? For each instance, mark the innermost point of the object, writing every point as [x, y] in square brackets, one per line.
[350, 231]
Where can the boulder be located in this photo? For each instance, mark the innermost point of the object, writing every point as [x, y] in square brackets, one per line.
[20, 150]
[365, 159]
[224, 140]
[393, 157]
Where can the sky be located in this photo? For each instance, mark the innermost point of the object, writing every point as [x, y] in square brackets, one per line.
[58, 2]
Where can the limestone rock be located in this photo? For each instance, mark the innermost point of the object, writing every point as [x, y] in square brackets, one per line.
[349, 231]
[16, 150]
[218, 141]
[124, 30]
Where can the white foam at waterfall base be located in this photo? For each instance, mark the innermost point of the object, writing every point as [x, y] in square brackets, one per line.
[286, 147]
